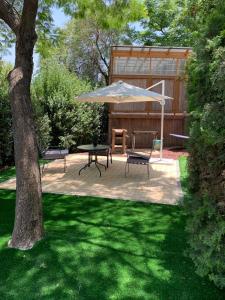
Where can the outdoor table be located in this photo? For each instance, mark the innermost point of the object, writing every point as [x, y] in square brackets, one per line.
[181, 137]
[135, 132]
[92, 155]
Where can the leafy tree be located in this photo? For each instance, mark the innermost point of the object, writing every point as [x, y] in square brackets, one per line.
[28, 227]
[109, 14]
[84, 48]
[63, 121]
[170, 22]
[207, 145]
[6, 139]
[84, 45]
[20, 17]
[44, 27]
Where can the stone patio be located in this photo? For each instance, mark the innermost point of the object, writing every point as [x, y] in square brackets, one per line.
[162, 187]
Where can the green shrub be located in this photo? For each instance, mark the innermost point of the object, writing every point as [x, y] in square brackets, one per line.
[6, 138]
[68, 121]
[206, 92]
[206, 228]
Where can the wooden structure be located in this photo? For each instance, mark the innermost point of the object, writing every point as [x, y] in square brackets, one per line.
[144, 67]
[119, 137]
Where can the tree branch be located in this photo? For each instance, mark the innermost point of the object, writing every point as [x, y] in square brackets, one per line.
[9, 15]
[99, 51]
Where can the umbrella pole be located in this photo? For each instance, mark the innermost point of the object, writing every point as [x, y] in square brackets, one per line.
[162, 118]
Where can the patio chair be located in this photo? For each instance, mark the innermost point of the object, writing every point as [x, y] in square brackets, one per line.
[137, 159]
[107, 153]
[53, 153]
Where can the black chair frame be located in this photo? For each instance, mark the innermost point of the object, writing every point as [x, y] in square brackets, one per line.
[137, 159]
[53, 153]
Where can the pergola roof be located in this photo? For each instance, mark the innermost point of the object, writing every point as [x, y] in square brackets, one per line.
[151, 49]
[149, 60]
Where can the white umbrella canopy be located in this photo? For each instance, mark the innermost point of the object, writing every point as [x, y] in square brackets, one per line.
[121, 92]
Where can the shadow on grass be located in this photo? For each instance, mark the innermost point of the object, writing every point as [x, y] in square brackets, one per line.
[101, 249]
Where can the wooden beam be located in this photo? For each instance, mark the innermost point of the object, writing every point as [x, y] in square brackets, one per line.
[116, 77]
[155, 54]
[146, 116]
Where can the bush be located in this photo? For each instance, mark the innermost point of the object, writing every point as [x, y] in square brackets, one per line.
[6, 137]
[206, 228]
[206, 91]
[68, 122]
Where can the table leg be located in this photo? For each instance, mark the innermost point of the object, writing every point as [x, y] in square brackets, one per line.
[90, 161]
[84, 167]
[96, 164]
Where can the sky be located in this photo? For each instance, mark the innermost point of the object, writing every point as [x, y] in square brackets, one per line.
[60, 19]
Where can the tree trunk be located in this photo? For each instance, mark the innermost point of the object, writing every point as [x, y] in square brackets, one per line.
[28, 226]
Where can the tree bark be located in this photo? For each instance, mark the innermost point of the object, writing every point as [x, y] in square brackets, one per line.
[28, 225]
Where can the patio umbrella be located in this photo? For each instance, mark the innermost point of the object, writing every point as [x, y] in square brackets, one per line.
[121, 92]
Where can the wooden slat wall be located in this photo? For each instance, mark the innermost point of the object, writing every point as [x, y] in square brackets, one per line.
[169, 91]
[173, 124]
[183, 105]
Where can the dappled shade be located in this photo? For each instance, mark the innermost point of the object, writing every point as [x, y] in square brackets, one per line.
[101, 249]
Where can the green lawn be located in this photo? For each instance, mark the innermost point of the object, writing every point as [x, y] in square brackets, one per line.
[11, 171]
[101, 249]
[7, 174]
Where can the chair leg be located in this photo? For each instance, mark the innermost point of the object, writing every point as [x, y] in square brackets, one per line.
[107, 164]
[65, 167]
[126, 169]
[42, 169]
[148, 170]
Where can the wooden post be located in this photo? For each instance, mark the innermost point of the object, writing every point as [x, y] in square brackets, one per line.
[113, 140]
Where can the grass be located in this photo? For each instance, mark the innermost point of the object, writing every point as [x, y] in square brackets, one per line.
[7, 174]
[183, 173]
[101, 249]
[10, 172]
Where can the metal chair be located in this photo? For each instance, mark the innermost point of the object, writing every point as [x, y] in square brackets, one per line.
[53, 153]
[137, 159]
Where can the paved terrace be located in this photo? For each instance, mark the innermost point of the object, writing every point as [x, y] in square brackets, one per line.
[162, 187]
